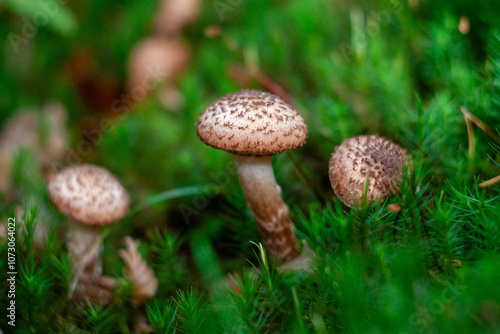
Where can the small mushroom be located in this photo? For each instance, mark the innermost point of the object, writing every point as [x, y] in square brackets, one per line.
[362, 159]
[254, 126]
[173, 15]
[91, 197]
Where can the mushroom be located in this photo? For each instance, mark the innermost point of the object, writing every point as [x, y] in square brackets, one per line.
[157, 62]
[254, 126]
[362, 159]
[91, 197]
[41, 131]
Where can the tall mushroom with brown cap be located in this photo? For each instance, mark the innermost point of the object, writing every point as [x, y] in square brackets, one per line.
[91, 197]
[254, 126]
[366, 158]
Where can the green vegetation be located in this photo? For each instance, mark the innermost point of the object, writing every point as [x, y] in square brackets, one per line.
[400, 69]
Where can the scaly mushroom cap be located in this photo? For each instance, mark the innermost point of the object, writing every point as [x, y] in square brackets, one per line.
[156, 60]
[360, 156]
[89, 194]
[251, 122]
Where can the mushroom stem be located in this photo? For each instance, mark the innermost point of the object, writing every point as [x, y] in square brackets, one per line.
[84, 247]
[263, 197]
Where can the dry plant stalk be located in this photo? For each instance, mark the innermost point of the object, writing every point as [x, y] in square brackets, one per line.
[136, 268]
[490, 182]
[24, 131]
[470, 133]
[469, 117]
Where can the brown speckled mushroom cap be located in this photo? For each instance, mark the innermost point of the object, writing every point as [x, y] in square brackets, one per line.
[355, 158]
[252, 122]
[89, 194]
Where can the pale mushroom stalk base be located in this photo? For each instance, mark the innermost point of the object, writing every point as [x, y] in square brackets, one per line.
[263, 197]
[84, 246]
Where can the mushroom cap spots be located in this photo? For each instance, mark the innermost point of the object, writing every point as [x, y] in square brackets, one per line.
[362, 157]
[89, 194]
[252, 122]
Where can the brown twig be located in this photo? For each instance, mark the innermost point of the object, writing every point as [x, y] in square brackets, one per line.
[489, 131]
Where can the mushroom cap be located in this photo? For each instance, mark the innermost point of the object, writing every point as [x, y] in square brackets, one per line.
[89, 194]
[355, 158]
[156, 60]
[252, 122]
[173, 15]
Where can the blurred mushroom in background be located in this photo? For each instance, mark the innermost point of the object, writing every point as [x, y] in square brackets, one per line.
[44, 132]
[156, 64]
[173, 15]
[366, 168]
[40, 230]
